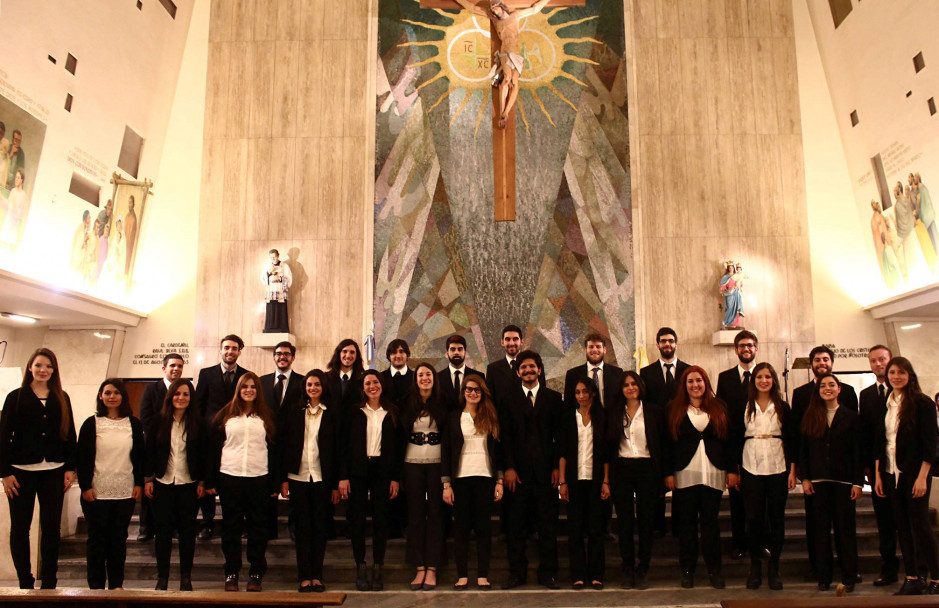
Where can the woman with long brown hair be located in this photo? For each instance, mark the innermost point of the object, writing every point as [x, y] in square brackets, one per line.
[830, 462]
[907, 449]
[472, 476]
[37, 458]
[698, 426]
[243, 470]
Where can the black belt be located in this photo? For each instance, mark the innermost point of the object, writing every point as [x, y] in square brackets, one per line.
[762, 437]
[424, 438]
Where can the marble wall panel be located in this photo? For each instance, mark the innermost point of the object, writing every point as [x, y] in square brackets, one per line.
[720, 95]
[208, 278]
[670, 85]
[265, 20]
[284, 211]
[235, 196]
[668, 18]
[694, 85]
[735, 12]
[691, 19]
[787, 86]
[239, 91]
[211, 194]
[310, 88]
[644, 22]
[781, 14]
[285, 95]
[216, 98]
[647, 86]
[243, 18]
[764, 85]
[258, 186]
[220, 20]
[741, 85]
[260, 74]
[289, 16]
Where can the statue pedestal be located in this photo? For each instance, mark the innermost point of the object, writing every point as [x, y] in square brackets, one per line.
[724, 337]
[263, 340]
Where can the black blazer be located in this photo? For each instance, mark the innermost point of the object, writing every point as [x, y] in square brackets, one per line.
[612, 384]
[29, 432]
[801, 397]
[87, 446]
[211, 393]
[158, 449]
[871, 409]
[151, 404]
[501, 380]
[656, 390]
[657, 439]
[398, 387]
[354, 461]
[530, 434]
[449, 393]
[837, 454]
[293, 396]
[353, 397]
[731, 389]
[452, 449]
[293, 437]
[217, 439]
[684, 447]
[915, 445]
[568, 442]
[738, 431]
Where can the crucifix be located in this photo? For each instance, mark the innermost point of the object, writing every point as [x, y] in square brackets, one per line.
[507, 64]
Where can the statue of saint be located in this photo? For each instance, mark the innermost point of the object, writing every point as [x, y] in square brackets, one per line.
[731, 287]
[277, 279]
[507, 67]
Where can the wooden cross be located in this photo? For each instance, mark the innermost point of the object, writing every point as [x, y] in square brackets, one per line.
[503, 140]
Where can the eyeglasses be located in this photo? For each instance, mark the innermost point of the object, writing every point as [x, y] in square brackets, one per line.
[667, 341]
[747, 346]
[282, 355]
[473, 390]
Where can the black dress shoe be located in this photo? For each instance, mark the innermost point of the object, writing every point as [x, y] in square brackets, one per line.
[687, 580]
[254, 582]
[932, 589]
[231, 582]
[28, 583]
[549, 581]
[717, 581]
[739, 553]
[513, 582]
[305, 588]
[755, 578]
[377, 583]
[185, 583]
[144, 535]
[318, 587]
[361, 578]
[642, 582]
[912, 586]
[49, 583]
[629, 579]
[767, 553]
[824, 586]
[885, 579]
[162, 583]
[772, 577]
[205, 533]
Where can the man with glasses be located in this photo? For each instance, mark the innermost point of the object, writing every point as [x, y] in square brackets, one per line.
[733, 387]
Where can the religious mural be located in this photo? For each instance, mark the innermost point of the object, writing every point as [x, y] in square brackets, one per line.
[21, 138]
[442, 264]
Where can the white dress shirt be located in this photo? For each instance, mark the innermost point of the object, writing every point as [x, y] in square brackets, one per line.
[453, 371]
[632, 443]
[599, 368]
[244, 453]
[763, 455]
[399, 371]
[584, 448]
[892, 423]
[373, 430]
[534, 393]
[177, 467]
[310, 467]
[286, 374]
[700, 471]
[673, 363]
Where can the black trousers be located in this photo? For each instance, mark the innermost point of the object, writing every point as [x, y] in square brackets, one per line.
[207, 507]
[635, 493]
[916, 536]
[764, 498]
[472, 508]
[310, 502]
[886, 533]
[374, 488]
[424, 492]
[174, 510]
[47, 485]
[835, 511]
[147, 516]
[699, 504]
[586, 521]
[738, 519]
[539, 502]
[108, 521]
[245, 502]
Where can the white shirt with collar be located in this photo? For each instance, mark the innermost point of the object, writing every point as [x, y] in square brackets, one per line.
[509, 360]
[225, 369]
[891, 424]
[373, 430]
[534, 390]
[395, 372]
[454, 370]
[584, 448]
[741, 370]
[633, 442]
[764, 453]
[590, 368]
[177, 466]
[287, 375]
[245, 451]
[310, 467]
[166, 383]
[673, 363]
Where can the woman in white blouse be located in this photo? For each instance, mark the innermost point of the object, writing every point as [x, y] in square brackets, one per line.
[175, 473]
[764, 449]
[111, 460]
[244, 472]
[698, 425]
[471, 470]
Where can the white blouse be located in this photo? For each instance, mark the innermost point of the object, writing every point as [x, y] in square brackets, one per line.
[632, 443]
[892, 423]
[423, 454]
[474, 459]
[584, 449]
[114, 472]
[177, 467]
[763, 452]
[310, 467]
[245, 451]
[373, 430]
[700, 471]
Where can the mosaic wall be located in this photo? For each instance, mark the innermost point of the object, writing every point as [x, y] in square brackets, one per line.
[442, 264]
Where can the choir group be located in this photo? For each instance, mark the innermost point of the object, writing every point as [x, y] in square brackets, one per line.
[455, 441]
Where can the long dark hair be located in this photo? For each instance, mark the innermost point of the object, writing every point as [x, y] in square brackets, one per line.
[910, 393]
[325, 397]
[334, 366]
[417, 406]
[591, 387]
[710, 405]
[486, 421]
[123, 411]
[639, 382]
[815, 418]
[55, 388]
[237, 406]
[386, 403]
[165, 423]
[779, 404]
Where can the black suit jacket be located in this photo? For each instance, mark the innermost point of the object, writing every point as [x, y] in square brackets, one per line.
[501, 380]
[292, 438]
[29, 431]
[801, 397]
[684, 447]
[452, 449]
[731, 389]
[657, 439]
[871, 410]
[836, 455]
[293, 396]
[916, 443]
[87, 450]
[569, 442]
[159, 445]
[353, 397]
[451, 394]
[211, 392]
[530, 434]
[612, 384]
[354, 461]
[151, 404]
[654, 379]
[399, 387]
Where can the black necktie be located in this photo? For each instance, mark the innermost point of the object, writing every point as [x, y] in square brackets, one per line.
[279, 389]
[514, 366]
[596, 380]
[669, 377]
[883, 392]
[746, 378]
[345, 383]
[531, 397]
[456, 380]
[229, 379]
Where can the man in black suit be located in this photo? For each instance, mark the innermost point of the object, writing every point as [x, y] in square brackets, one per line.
[732, 388]
[822, 360]
[661, 380]
[283, 391]
[873, 408]
[151, 404]
[215, 389]
[608, 377]
[398, 377]
[344, 372]
[450, 378]
[529, 432]
[502, 375]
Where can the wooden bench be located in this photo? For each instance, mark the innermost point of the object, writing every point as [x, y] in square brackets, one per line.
[133, 599]
[848, 601]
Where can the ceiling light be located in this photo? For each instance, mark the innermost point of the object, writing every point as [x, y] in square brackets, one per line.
[18, 318]
[911, 326]
[98, 334]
